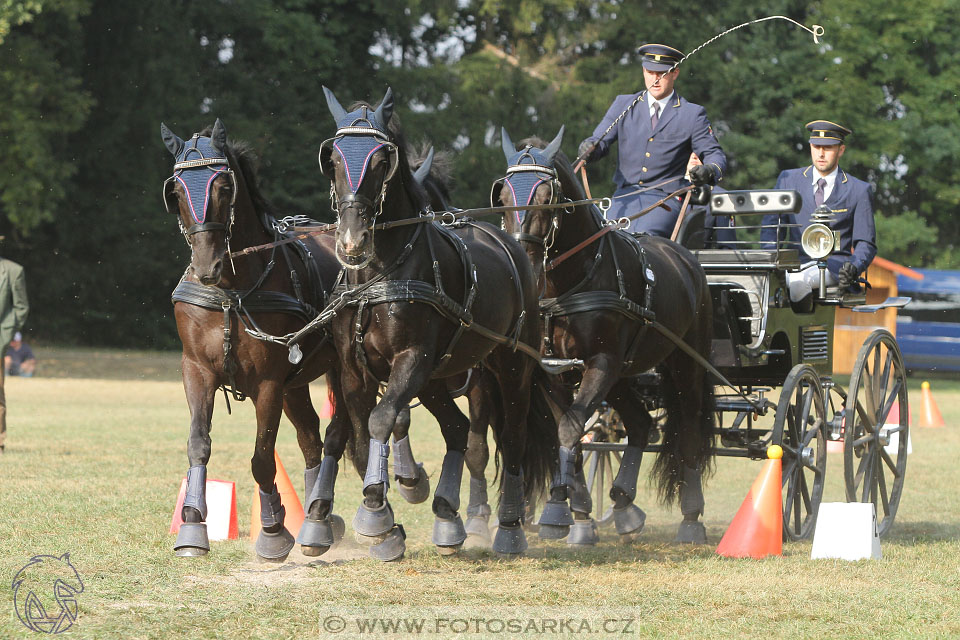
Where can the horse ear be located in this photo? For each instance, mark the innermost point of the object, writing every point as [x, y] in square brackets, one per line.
[338, 112]
[550, 153]
[218, 137]
[171, 140]
[509, 149]
[385, 110]
[424, 169]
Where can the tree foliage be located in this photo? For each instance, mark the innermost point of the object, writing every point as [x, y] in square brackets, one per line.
[84, 84]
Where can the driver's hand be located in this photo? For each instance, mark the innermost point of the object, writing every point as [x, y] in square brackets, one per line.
[847, 276]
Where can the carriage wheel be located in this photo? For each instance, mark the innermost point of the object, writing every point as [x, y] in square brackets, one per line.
[874, 461]
[800, 428]
[600, 467]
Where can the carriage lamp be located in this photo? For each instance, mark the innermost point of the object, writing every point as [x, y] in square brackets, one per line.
[819, 241]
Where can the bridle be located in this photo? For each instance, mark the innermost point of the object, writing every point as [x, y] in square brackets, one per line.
[543, 175]
[216, 166]
[365, 136]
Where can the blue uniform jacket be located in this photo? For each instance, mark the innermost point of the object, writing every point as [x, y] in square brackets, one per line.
[647, 157]
[852, 204]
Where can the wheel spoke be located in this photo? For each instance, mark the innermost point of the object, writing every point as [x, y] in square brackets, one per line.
[865, 419]
[873, 379]
[888, 404]
[890, 463]
[882, 488]
[885, 376]
[862, 440]
[812, 433]
[805, 412]
[861, 468]
[869, 476]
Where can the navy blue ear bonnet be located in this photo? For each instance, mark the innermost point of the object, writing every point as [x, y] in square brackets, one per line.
[360, 134]
[527, 169]
[199, 161]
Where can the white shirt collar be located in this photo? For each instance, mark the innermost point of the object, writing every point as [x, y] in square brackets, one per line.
[663, 103]
[831, 179]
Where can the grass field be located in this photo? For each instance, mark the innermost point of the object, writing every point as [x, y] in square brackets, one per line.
[97, 447]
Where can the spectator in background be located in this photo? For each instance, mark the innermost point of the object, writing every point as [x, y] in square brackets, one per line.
[13, 313]
[19, 359]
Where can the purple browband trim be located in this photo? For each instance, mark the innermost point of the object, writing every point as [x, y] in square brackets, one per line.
[363, 172]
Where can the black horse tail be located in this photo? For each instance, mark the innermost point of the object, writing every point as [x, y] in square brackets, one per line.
[540, 461]
[687, 393]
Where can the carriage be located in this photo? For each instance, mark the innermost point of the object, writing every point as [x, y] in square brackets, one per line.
[763, 341]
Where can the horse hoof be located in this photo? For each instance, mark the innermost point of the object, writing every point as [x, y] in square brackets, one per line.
[373, 523]
[448, 532]
[478, 526]
[510, 540]
[629, 520]
[553, 532]
[556, 513]
[192, 540]
[584, 533]
[691, 532]
[274, 547]
[418, 492]
[449, 551]
[391, 547]
[313, 552]
[316, 533]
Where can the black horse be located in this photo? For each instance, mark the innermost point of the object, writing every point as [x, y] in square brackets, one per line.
[433, 172]
[600, 304]
[422, 302]
[232, 315]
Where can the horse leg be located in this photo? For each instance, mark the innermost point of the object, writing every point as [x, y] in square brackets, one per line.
[601, 373]
[412, 481]
[448, 531]
[374, 521]
[199, 384]
[322, 528]
[275, 541]
[628, 517]
[687, 442]
[478, 455]
[313, 537]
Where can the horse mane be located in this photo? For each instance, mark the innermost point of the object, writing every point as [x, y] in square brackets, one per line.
[439, 181]
[418, 195]
[248, 164]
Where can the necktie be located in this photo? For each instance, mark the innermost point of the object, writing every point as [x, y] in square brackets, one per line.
[818, 194]
[655, 118]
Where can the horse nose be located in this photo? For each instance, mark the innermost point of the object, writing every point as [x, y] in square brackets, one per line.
[353, 241]
[213, 277]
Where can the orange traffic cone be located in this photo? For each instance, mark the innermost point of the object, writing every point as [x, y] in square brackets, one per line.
[757, 529]
[929, 413]
[288, 498]
[329, 406]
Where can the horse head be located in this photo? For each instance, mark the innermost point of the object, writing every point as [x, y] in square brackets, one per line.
[531, 180]
[360, 161]
[202, 192]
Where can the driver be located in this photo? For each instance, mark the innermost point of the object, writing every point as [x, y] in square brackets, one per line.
[661, 136]
[851, 201]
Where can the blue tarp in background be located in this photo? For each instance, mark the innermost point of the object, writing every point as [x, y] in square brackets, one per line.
[928, 329]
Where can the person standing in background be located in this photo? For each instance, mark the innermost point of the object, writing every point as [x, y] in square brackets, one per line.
[13, 313]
